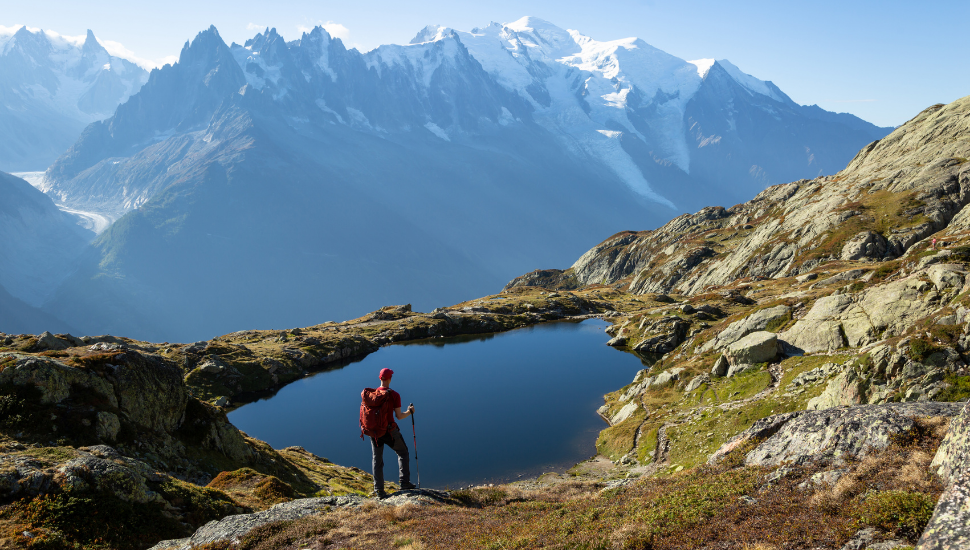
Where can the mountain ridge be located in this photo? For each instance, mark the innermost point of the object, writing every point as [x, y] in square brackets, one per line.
[476, 177]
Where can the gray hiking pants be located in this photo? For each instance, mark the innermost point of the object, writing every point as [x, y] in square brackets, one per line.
[396, 442]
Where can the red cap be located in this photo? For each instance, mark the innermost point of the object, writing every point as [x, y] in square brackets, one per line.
[385, 374]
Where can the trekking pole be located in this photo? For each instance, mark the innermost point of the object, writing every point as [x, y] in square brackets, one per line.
[417, 465]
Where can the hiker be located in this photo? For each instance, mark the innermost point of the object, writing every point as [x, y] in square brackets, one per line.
[391, 436]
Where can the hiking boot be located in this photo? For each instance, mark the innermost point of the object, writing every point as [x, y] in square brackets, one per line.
[380, 495]
[408, 485]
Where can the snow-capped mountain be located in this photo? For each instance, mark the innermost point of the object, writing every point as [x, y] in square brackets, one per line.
[51, 87]
[317, 181]
[631, 105]
[653, 120]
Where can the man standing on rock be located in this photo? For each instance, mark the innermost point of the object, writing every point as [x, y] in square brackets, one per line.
[392, 437]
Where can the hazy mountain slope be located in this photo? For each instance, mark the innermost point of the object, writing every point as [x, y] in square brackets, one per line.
[51, 87]
[730, 129]
[39, 243]
[17, 317]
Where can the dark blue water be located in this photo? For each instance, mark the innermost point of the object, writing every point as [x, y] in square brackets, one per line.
[487, 409]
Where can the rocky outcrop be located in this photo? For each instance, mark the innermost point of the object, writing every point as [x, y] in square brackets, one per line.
[98, 395]
[878, 312]
[812, 436]
[554, 279]
[661, 335]
[867, 245]
[627, 401]
[96, 469]
[950, 525]
[236, 526]
[133, 401]
[887, 373]
[953, 456]
[949, 528]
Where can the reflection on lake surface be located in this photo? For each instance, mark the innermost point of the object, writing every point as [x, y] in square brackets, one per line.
[487, 408]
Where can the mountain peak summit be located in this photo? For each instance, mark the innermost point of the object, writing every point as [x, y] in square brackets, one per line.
[91, 45]
[427, 34]
[532, 23]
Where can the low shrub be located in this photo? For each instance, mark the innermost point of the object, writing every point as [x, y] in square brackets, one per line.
[958, 388]
[480, 496]
[921, 348]
[94, 522]
[903, 513]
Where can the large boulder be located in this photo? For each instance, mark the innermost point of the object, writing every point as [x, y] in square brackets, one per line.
[821, 328]
[757, 347]
[953, 456]
[845, 389]
[950, 525]
[626, 411]
[947, 277]
[720, 367]
[810, 436]
[757, 321]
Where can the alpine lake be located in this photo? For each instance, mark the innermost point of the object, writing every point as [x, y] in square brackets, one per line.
[488, 408]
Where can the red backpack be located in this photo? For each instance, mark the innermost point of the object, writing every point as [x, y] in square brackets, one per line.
[376, 408]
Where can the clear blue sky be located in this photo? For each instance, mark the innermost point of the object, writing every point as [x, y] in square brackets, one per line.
[881, 60]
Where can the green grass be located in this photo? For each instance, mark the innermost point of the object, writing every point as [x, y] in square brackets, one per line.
[902, 513]
[958, 388]
[616, 441]
[691, 443]
[742, 386]
[52, 455]
[647, 443]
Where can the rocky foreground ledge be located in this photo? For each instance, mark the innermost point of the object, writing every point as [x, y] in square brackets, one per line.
[867, 452]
